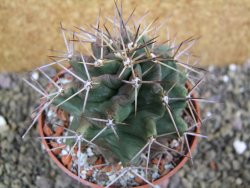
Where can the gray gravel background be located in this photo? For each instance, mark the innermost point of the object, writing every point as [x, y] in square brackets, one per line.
[216, 163]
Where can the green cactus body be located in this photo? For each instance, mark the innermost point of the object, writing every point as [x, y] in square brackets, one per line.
[131, 90]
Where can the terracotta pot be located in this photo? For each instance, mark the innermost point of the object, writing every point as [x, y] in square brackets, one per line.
[162, 182]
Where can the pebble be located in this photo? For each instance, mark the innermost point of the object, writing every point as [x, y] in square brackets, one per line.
[225, 78]
[174, 144]
[157, 186]
[83, 174]
[168, 166]
[155, 175]
[237, 122]
[5, 81]
[239, 146]
[35, 75]
[64, 181]
[64, 152]
[43, 182]
[232, 67]
[236, 165]
[89, 152]
[130, 175]
[2, 185]
[1, 170]
[238, 181]
[83, 159]
[3, 124]
[65, 81]
[209, 114]
[112, 177]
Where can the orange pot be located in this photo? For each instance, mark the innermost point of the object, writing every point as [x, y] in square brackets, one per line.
[162, 182]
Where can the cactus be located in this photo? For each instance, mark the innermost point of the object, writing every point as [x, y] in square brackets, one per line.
[127, 90]
[125, 98]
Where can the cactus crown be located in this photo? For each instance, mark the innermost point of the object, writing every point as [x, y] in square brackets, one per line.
[127, 90]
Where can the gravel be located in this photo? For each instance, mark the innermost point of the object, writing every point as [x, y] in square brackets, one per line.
[222, 160]
[23, 162]
[3, 125]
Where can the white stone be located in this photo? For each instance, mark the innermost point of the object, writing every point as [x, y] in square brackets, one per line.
[238, 181]
[35, 75]
[225, 78]
[240, 146]
[82, 158]
[64, 81]
[94, 174]
[174, 144]
[64, 152]
[209, 114]
[232, 67]
[142, 173]
[50, 114]
[89, 152]
[157, 186]
[130, 175]
[3, 124]
[68, 148]
[211, 68]
[155, 175]
[2, 121]
[168, 166]
[83, 174]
